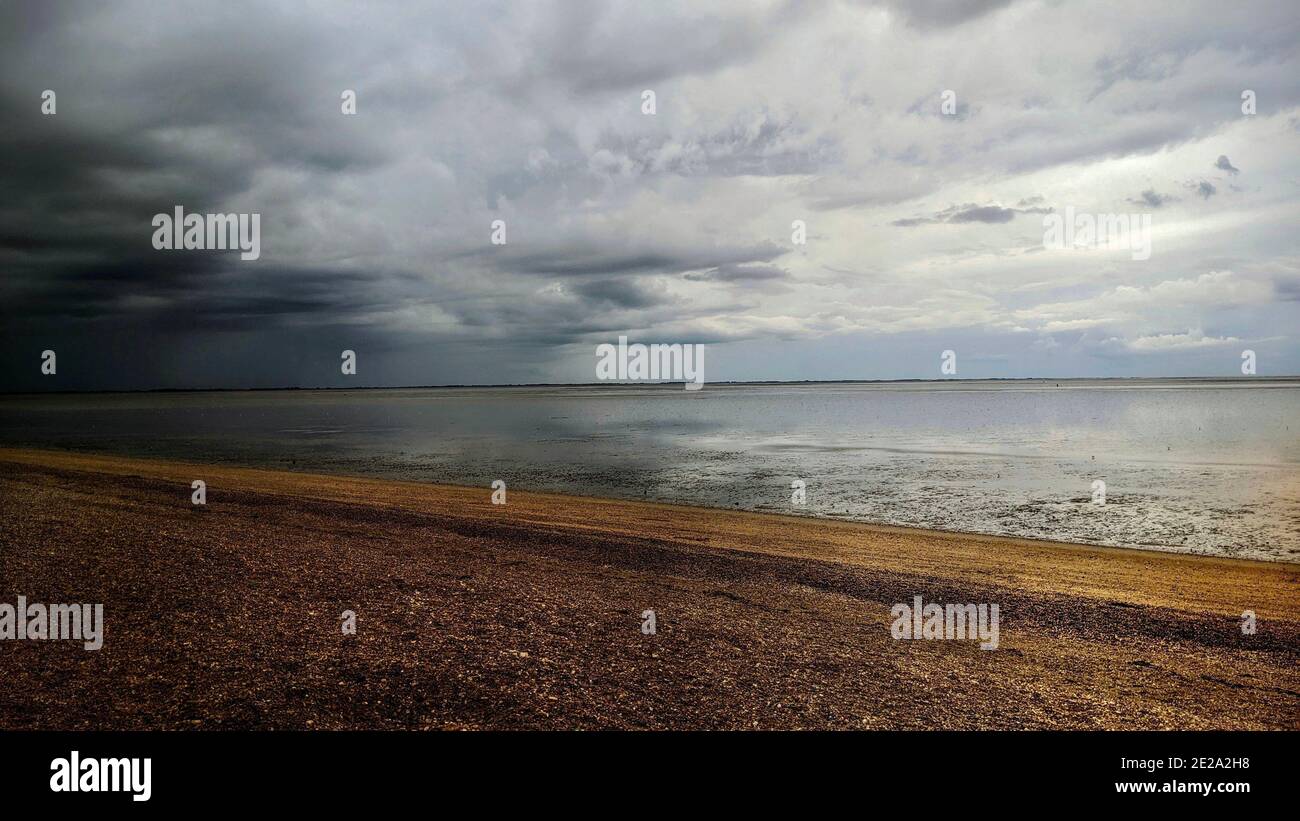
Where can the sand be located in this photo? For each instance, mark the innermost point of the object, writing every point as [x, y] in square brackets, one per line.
[528, 615]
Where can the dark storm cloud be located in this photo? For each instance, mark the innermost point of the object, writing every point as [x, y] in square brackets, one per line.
[970, 212]
[677, 225]
[1153, 199]
[250, 121]
[988, 213]
[1224, 164]
[592, 260]
[620, 293]
[188, 123]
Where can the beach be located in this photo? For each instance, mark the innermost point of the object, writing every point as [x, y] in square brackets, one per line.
[530, 614]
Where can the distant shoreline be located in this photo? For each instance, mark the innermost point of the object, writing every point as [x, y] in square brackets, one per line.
[1263, 381]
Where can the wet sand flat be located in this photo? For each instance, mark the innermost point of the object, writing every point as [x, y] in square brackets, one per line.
[528, 615]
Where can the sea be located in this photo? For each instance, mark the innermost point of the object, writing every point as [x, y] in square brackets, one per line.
[1188, 465]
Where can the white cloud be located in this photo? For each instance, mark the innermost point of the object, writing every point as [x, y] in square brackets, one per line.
[1179, 342]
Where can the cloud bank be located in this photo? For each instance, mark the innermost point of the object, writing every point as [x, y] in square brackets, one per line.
[923, 224]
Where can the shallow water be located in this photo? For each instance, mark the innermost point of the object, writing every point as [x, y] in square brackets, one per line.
[1189, 465]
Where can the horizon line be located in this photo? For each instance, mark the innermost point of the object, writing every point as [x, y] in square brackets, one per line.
[664, 384]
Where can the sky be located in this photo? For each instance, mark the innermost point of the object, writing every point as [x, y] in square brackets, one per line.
[920, 148]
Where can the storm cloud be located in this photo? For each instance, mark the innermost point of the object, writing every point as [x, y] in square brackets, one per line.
[378, 228]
